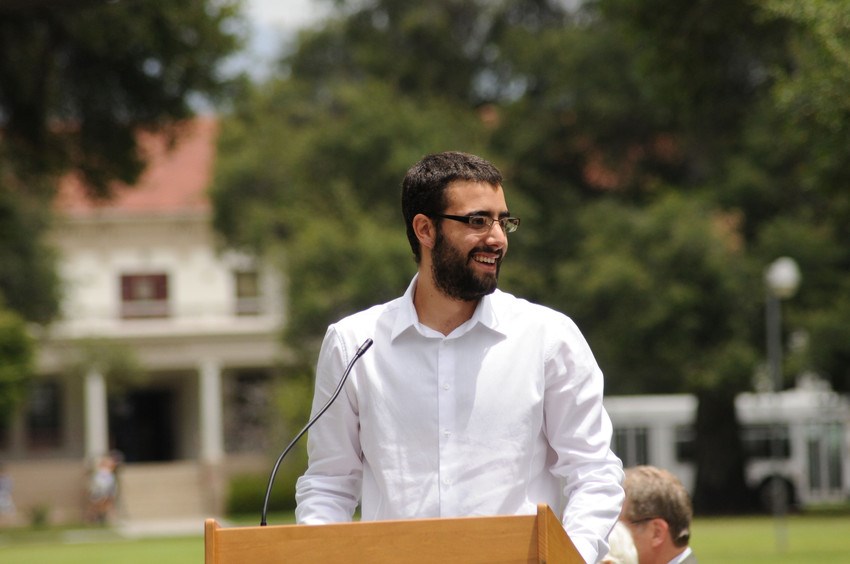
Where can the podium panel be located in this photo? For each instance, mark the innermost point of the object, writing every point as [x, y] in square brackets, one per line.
[467, 540]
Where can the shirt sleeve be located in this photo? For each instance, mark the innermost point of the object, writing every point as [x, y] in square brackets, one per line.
[329, 490]
[579, 431]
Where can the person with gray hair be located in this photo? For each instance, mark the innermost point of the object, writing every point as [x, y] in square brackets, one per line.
[658, 513]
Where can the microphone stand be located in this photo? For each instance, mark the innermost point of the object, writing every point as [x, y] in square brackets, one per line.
[363, 348]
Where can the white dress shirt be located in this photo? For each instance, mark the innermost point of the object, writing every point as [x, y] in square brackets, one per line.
[500, 415]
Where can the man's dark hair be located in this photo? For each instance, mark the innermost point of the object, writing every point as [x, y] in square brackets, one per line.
[424, 186]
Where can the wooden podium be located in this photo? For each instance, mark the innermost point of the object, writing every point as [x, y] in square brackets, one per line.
[467, 540]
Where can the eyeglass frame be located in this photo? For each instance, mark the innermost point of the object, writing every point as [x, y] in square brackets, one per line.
[504, 222]
[643, 520]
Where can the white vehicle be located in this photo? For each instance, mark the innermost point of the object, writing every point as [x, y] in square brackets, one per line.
[800, 436]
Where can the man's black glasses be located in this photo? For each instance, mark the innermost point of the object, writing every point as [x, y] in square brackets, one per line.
[482, 222]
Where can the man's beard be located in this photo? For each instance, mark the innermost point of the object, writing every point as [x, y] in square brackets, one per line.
[453, 275]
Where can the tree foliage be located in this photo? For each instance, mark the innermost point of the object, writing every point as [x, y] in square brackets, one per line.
[318, 178]
[673, 273]
[17, 351]
[29, 284]
[660, 155]
[78, 81]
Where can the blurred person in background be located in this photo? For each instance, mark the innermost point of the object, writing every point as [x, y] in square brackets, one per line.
[658, 513]
[7, 504]
[102, 490]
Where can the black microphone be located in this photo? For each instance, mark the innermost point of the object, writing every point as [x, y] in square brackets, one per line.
[363, 348]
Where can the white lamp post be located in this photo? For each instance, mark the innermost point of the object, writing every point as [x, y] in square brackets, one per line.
[782, 279]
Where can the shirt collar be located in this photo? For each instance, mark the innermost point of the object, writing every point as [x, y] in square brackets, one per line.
[681, 556]
[485, 314]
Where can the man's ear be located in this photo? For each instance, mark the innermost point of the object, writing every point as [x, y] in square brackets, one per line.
[660, 531]
[425, 230]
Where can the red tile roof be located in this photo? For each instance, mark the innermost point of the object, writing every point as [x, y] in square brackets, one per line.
[175, 181]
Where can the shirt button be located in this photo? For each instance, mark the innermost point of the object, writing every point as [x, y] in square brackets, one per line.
[446, 433]
[445, 386]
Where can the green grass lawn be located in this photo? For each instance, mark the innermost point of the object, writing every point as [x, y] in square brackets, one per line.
[731, 540]
[794, 540]
[159, 551]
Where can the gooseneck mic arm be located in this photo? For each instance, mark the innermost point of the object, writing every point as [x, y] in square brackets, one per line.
[363, 348]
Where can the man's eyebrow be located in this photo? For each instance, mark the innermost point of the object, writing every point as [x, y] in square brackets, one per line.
[487, 213]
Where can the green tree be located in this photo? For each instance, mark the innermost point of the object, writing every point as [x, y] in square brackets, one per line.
[664, 295]
[78, 81]
[28, 281]
[734, 102]
[672, 278]
[16, 361]
[660, 155]
[419, 49]
[317, 179]
[792, 181]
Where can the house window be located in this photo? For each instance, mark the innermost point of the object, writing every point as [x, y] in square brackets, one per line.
[144, 295]
[5, 432]
[631, 444]
[685, 443]
[249, 407]
[247, 283]
[823, 446]
[44, 416]
[766, 440]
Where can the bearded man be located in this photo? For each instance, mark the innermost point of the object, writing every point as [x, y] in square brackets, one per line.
[471, 401]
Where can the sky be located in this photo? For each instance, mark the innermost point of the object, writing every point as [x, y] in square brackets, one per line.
[284, 13]
[274, 22]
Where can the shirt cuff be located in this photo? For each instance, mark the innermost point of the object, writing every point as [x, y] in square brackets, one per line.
[586, 549]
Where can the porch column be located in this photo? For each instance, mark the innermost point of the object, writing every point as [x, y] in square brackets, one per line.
[96, 416]
[212, 419]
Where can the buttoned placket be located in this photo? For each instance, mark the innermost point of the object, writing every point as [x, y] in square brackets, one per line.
[446, 369]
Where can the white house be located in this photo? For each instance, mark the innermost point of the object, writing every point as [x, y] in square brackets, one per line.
[146, 280]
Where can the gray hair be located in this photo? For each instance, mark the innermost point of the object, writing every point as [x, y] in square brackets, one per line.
[656, 493]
